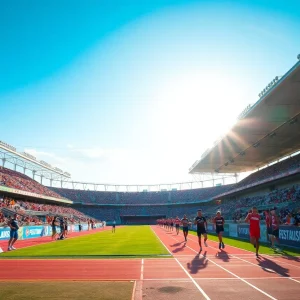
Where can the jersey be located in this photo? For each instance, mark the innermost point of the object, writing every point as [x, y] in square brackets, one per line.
[200, 223]
[219, 221]
[14, 224]
[275, 224]
[254, 220]
[185, 222]
[268, 220]
[177, 221]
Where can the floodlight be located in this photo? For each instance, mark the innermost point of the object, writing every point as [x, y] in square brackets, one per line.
[298, 56]
[276, 78]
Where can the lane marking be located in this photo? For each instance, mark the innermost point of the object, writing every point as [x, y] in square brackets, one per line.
[233, 274]
[186, 272]
[142, 270]
[253, 264]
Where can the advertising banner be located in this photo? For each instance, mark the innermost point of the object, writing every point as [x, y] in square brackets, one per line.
[4, 233]
[226, 230]
[233, 230]
[243, 231]
[289, 235]
[34, 231]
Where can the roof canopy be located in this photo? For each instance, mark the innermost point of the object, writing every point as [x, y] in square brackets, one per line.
[268, 131]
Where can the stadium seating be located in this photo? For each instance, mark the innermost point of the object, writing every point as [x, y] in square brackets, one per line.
[20, 181]
[37, 213]
[280, 168]
[163, 197]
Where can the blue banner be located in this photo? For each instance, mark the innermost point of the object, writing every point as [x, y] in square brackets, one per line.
[4, 233]
[35, 231]
[289, 235]
[243, 231]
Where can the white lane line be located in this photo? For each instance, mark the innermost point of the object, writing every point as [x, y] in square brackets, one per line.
[186, 272]
[245, 281]
[142, 270]
[255, 265]
[216, 278]
[133, 291]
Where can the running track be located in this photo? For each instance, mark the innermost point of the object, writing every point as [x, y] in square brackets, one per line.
[231, 273]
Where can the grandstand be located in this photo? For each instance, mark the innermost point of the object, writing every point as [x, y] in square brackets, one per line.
[266, 137]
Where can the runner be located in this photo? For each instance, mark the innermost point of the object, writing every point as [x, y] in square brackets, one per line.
[53, 226]
[113, 227]
[66, 227]
[219, 226]
[171, 224]
[268, 225]
[13, 224]
[177, 224]
[275, 222]
[185, 226]
[254, 220]
[201, 228]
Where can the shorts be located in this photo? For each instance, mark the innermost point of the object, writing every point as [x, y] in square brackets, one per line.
[14, 234]
[185, 229]
[53, 230]
[172, 224]
[66, 228]
[201, 231]
[276, 233]
[114, 226]
[219, 229]
[177, 225]
[62, 229]
[269, 230]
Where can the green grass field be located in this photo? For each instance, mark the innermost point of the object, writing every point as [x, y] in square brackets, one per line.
[128, 241]
[263, 249]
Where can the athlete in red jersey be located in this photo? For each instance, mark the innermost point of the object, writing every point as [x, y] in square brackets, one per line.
[177, 224]
[275, 222]
[254, 220]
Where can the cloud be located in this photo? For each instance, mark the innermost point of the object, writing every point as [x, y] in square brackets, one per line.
[42, 155]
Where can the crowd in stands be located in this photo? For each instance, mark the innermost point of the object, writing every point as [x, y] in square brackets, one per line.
[22, 182]
[286, 200]
[44, 212]
[161, 197]
[280, 168]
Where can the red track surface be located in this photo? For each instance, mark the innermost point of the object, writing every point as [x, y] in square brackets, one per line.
[231, 273]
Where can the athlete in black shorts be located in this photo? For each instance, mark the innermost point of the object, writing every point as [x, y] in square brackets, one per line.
[219, 225]
[201, 228]
[185, 227]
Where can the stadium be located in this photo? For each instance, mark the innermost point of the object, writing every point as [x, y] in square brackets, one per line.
[142, 259]
[132, 166]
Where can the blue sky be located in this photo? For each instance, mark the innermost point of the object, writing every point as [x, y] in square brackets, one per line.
[130, 91]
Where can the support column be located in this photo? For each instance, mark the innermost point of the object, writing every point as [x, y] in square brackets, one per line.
[3, 162]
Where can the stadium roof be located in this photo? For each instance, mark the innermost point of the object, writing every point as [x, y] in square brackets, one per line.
[264, 133]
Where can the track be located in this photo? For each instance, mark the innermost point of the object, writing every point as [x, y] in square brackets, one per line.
[231, 273]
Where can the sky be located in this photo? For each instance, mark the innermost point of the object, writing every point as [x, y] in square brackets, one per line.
[133, 92]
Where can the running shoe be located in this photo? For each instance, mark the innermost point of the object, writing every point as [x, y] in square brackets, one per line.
[13, 248]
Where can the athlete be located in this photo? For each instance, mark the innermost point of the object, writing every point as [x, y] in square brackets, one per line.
[171, 224]
[253, 218]
[201, 228]
[13, 224]
[275, 222]
[113, 227]
[53, 226]
[268, 225]
[185, 226]
[219, 226]
[177, 224]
